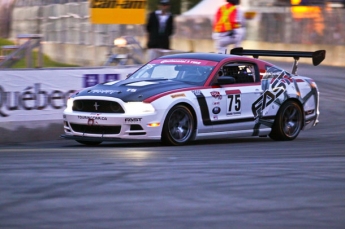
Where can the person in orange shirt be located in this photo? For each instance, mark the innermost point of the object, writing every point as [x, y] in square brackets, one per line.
[228, 26]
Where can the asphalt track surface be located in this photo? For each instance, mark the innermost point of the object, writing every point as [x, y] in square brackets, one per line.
[232, 183]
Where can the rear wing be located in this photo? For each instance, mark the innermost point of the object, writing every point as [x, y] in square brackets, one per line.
[317, 56]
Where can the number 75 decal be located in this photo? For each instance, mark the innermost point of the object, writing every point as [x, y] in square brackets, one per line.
[234, 104]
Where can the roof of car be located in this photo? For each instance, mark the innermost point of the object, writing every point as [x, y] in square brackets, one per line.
[201, 56]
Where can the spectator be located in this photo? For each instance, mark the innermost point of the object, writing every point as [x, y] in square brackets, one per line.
[160, 27]
[228, 26]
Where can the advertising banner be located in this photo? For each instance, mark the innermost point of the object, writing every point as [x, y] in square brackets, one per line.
[118, 11]
[32, 95]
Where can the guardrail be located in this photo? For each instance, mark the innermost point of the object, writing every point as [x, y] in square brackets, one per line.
[10, 54]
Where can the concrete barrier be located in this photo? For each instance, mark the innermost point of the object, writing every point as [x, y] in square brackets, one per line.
[335, 54]
[85, 55]
[71, 38]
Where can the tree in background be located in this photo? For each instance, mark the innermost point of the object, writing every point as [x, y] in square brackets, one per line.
[175, 5]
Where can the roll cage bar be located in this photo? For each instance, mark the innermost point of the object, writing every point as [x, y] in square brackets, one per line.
[317, 56]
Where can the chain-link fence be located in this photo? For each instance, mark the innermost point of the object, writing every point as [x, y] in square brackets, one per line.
[67, 21]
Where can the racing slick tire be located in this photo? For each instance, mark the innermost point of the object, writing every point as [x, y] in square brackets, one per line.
[178, 126]
[288, 122]
[89, 143]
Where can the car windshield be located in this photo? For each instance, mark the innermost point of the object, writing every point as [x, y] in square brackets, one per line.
[189, 71]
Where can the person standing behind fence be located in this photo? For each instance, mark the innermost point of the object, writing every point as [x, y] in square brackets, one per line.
[228, 26]
[160, 27]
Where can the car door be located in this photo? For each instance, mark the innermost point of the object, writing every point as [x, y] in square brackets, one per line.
[230, 105]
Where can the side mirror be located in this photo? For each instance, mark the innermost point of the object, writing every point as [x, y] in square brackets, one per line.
[226, 80]
[128, 75]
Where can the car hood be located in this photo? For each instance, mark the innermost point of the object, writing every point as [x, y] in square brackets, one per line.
[134, 90]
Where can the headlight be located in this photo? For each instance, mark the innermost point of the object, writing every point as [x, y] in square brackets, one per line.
[138, 107]
[69, 104]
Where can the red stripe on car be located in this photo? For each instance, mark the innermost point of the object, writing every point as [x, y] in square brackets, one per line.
[155, 97]
[233, 92]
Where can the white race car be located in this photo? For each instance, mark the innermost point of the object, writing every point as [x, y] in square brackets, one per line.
[183, 97]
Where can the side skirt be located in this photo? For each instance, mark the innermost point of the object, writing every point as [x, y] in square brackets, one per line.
[229, 134]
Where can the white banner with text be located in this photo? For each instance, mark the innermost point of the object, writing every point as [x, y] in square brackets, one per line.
[41, 94]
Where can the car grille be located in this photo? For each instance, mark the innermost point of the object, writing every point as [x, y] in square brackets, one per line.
[96, 129]
[100, 106]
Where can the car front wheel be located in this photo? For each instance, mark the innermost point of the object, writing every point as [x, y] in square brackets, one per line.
[288, 122]
[178, 126]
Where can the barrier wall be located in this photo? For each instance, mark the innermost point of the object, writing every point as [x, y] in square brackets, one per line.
[32, 100]
[70, 23]
[71, 38]
[96, 55]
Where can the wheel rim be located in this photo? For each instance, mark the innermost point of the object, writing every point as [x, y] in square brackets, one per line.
[292, 121]
[180, 125]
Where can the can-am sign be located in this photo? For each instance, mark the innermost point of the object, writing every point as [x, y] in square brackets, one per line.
[118, 11]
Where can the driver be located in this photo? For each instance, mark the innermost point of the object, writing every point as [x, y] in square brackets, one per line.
[204, 71]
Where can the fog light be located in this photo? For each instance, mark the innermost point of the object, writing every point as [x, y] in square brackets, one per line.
[154, 124]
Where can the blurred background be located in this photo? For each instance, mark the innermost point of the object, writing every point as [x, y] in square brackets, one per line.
[66, 23]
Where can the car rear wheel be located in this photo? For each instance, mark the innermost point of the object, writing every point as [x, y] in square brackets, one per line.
[178, 126]
[288, 122]
[89, 143]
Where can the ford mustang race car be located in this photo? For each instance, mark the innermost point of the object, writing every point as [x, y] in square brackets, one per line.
[191, 96]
